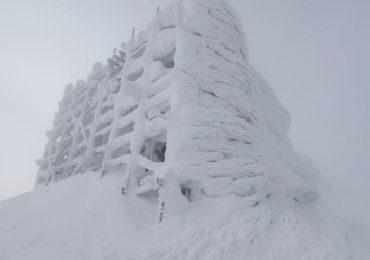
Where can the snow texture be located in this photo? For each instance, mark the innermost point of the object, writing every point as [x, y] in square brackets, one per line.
[198, 140]
[84, 218]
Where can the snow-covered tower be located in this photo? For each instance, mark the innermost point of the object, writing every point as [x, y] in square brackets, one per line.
[182, 114]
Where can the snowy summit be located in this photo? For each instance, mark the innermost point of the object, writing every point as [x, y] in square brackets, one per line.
[177, 148]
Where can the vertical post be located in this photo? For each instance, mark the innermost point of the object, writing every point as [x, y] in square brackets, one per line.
[117, 107]
[171, 200]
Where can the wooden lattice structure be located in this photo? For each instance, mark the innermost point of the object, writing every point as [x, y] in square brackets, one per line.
[178, 110]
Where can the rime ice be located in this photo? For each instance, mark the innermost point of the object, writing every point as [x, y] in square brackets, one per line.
[178, 108]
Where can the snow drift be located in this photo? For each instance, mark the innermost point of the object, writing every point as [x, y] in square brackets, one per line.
[84, 217]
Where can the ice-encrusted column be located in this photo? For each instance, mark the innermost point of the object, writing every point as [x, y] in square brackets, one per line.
[228, 131]
[210, 135]
[136, 140]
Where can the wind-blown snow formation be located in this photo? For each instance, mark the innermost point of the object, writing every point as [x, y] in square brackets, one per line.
[84, 218]
[196, 138]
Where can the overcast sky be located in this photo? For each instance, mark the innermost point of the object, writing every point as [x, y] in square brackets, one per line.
[315, 54]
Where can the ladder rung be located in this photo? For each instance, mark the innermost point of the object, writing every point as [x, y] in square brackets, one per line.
[118, 141]
[159, 85]
[160, 98]
[103, 130]
[124, 121]
[123, 159]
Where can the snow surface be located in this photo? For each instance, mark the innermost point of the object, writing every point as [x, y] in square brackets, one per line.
[84, 218]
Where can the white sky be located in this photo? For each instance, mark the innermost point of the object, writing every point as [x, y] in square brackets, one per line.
[315, 54]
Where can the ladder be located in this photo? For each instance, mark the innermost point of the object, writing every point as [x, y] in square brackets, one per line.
[138, 136]
[118, 101]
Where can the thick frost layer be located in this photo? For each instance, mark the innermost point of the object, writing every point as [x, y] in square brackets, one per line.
[227, 121]
[180, 103]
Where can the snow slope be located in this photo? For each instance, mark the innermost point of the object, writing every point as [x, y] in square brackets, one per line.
[85, 218]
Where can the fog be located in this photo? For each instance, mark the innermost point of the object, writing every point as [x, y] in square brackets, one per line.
[314, 53]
